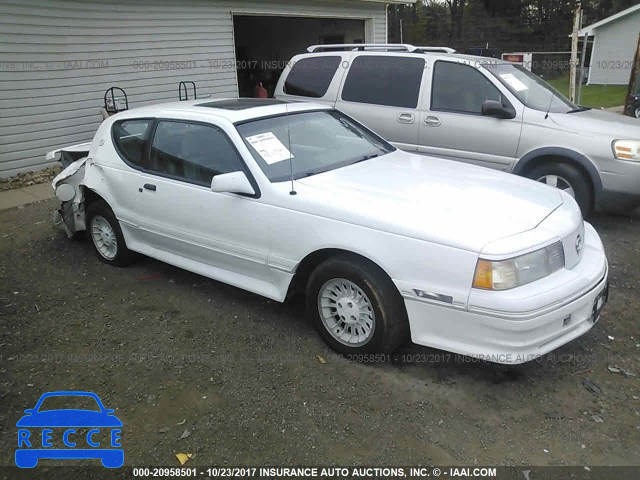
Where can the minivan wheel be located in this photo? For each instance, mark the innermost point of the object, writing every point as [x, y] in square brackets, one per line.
[355, 307]
[568, 178]
[637, 112]
[106, 236]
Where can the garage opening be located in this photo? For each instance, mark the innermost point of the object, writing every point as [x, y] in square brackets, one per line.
[265, 44]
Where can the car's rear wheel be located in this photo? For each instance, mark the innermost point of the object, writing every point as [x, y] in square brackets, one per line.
[355, 307]
[637, 112]
[106, 236]
[568, 178]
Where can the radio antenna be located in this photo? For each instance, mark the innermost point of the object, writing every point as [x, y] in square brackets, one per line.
[293, 189]
[553, 95]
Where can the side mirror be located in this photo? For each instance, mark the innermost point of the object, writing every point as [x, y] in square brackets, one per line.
[109, 411]
[234, 182]
[29, 411]
[495, 109]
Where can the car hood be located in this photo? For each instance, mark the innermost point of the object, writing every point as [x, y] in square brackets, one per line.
[599, 122]
[432, 199]
[69, 418]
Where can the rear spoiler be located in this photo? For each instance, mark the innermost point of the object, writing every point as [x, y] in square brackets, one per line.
[68, 155]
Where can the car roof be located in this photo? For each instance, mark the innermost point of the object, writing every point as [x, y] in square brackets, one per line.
[472, 59]
[71, 393]
[232, 109]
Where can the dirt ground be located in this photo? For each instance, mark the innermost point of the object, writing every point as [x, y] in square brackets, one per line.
[194, 366]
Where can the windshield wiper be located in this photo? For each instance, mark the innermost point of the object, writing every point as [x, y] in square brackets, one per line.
[318, 172]
[361, 159]
[365, 158]
[579, 109]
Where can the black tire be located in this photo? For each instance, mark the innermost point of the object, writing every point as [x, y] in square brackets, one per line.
[100, 210]
[637, 111]
[581, 183]
[391, 326]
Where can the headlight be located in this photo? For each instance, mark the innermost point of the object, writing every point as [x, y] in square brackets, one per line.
[506, 274]
[626, 149]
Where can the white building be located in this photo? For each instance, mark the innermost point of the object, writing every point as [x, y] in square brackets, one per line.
[59, 56]
[614, 45]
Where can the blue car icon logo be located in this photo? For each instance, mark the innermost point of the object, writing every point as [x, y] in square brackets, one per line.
[90, 432]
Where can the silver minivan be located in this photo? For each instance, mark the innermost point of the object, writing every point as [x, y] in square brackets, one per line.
[477, 110]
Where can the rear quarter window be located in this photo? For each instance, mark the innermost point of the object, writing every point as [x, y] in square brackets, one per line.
[311, 77]
[384, 80]
[130, 138]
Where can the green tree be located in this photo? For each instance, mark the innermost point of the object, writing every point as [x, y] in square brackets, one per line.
[456, 13]
[507, 25]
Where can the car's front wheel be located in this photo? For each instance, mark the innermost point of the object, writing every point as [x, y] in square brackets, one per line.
[105, 233]
[568, 178]
[356, 307]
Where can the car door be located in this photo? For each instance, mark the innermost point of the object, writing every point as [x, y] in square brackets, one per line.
[184, 220]
[120, 163]
[382, 92]
[452, 124]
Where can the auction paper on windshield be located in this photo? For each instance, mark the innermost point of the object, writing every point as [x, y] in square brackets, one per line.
[270, 148]
[516, 83]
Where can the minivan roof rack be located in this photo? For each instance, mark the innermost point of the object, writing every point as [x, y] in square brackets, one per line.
[401, 47]
[436, 49]
[361, 47]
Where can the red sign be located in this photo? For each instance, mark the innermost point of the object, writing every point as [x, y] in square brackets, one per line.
[514, 58]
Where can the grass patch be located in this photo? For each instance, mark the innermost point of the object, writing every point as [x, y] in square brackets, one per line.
[594, 96]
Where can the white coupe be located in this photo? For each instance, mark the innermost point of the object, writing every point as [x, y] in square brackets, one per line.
[277, 197]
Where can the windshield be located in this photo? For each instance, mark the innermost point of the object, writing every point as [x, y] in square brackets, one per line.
[530, 89]
[316, 141]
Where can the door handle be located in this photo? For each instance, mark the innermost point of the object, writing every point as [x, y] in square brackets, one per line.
[431, 121]
[406, 118]
[149, 186]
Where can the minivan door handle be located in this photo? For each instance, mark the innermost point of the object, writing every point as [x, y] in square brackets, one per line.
[432, 121]
[406, 118]
[149, 186]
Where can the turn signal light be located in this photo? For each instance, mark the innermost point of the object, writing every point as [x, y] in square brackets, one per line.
[484, 275]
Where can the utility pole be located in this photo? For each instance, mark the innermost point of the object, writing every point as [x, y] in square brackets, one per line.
[634, 82]
[585, 41]
[574, 52]
[401, 32]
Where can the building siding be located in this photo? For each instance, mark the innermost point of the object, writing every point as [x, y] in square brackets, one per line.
[613, 51]
[59, 57]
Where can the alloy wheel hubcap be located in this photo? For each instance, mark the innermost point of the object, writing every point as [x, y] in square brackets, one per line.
[346, 312]
[558, 182]
[104, 238]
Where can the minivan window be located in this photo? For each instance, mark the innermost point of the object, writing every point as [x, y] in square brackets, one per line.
[311, 77]
[384, 80]
[192, 152]
[460, 88]
[130, 138]
[530, 89]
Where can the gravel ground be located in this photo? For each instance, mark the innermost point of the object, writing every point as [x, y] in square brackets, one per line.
[195, 366]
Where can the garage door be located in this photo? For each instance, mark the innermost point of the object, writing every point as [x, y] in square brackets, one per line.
[59, 57]
[262, 62]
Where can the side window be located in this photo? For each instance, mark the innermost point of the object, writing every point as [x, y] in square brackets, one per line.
[192, 152]
[384, 80]
[461, 88]
[130, 138]
[311, 77]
